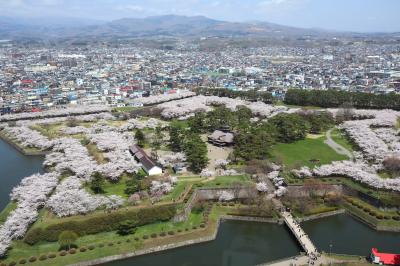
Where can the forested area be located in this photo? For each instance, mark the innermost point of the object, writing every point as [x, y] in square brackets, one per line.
[334, 98]
[250, 95]
[253, 138]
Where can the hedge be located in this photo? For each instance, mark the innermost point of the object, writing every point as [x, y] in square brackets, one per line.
[100, 223]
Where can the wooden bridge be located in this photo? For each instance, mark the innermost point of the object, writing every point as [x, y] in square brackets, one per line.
[299, 233]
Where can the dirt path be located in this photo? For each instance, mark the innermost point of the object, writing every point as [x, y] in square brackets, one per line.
[338, 148]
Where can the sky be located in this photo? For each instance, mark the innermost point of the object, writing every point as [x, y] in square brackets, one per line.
[342, 15]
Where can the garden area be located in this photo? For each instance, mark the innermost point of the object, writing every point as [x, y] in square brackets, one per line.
[201, 222]
[312, 151]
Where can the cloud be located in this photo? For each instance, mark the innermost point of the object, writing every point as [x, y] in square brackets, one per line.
[50, 2]
[136, 8]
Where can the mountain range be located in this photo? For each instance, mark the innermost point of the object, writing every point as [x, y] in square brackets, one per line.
[168, 25]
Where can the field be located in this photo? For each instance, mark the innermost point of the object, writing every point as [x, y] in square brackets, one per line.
[110, 243]
[303, 152]
[340, 138]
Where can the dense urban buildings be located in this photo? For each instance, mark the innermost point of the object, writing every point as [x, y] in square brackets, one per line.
[117, 74]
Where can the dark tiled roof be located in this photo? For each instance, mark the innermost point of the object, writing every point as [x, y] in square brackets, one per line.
[141, 155]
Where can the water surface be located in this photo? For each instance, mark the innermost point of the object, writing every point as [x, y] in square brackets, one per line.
[350, 236]
[13, 167]
[238, 243]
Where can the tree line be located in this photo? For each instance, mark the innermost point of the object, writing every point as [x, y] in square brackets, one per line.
[250, 95]
[334, 98]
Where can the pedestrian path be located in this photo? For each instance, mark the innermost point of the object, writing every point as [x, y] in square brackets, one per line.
[301, 236]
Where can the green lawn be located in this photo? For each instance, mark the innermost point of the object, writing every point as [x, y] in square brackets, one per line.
[51, 131]
[340, 138]
[6, 211]
[116, 188]
[96, 153]
[297, 154]
[120, 244]
[226, 181]
[177, 191]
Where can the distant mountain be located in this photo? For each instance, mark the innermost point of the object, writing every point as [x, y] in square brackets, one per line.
[172, 25]
[168, 25]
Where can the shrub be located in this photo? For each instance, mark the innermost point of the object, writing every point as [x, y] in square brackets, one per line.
[72, 251]
[179, 230]
[127, 227]
[136, 238]
[12, 263]
[62, 253]
[102, 223]
[171, 233]
[194, 227]
[43, 257]
[91, 247]
[145, 237]
[163, 234]
[202, 225]
[380, 217]
[153, 235]
[186, 229]
[387, 217]
[101, 245]
[51, 255]
[128, 241]
[110, 244]
[32, 259]
[83, 249]
[22, 261]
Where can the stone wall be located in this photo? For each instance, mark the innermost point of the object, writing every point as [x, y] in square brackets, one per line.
[299, 191]
[321, 215]
[201, 194]
[211, 237]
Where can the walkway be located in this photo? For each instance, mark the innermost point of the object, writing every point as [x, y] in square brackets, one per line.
[337, 147]
[301, 236]
[302, 260]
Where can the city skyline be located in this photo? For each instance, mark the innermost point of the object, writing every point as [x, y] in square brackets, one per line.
[340, 15]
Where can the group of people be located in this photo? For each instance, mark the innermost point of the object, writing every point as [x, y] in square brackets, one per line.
[313, 256]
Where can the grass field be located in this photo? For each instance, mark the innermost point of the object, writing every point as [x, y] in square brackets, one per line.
[119, 243]
[6, 211]
[340, 138]
[51, 131]
[177, 191]
[226, 181]
[300, 153]
[96, 153]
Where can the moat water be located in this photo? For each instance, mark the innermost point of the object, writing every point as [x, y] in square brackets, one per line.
[349, 236]
[247, 243]
[237, 243]
[14, 166]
